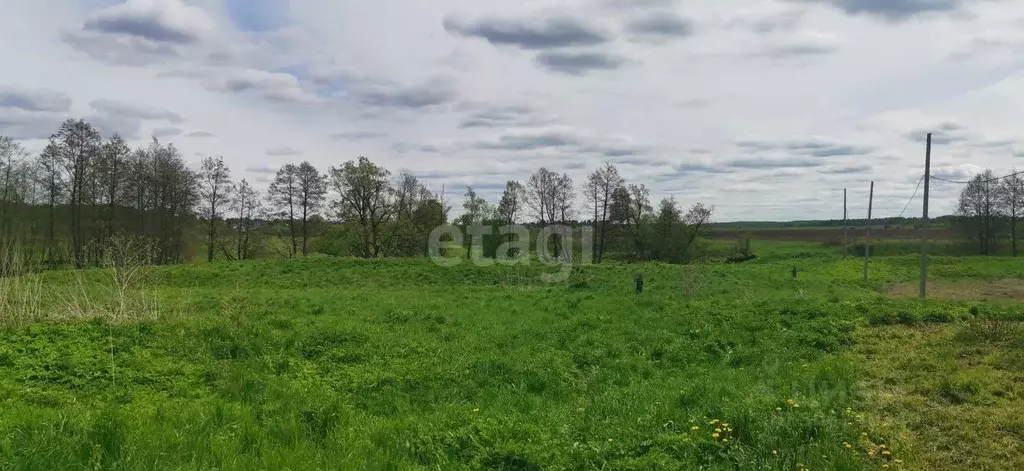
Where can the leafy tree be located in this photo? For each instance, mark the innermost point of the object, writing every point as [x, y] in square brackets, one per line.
[638, 209]
[667, 226]
[510, 207]
[366, 202]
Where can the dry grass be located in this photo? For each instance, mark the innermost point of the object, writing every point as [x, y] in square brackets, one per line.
[119, 296]
[962, 290]
[953, 395]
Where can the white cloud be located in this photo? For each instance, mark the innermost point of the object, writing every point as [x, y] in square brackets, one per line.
[834, 93]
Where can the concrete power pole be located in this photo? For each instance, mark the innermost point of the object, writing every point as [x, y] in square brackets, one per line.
[924, 219]
[846, 243]
[867, 232]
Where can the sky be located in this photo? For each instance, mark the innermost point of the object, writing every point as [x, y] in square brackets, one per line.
[765, 109]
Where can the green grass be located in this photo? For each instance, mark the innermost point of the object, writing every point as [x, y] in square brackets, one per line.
[399, 364]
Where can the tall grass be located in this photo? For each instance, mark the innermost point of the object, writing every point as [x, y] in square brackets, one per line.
[21, 291]
[116, 291]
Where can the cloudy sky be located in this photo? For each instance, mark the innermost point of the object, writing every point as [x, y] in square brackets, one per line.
[765, 109]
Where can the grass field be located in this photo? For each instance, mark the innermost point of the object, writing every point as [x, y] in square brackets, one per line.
[400, 364]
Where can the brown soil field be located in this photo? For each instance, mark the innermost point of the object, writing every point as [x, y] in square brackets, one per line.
[962, 290]
[824, 234]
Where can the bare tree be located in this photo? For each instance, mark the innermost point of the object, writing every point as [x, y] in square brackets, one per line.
[312, 192]
[215, 189]
[284, 196]
[78, 143]
[979, 205]
[173, 194]
[600, 187]
[111, 169]
[564, 198]
[541, 191]
[11, 153]
[49, 164]
[365, 201]
[1011, 197]
[247, 205]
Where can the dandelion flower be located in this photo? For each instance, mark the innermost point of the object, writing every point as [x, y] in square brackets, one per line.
[714, 435]
[695, 428]
[778, 409]
[725, 440]
[775, 452]
[718, 430]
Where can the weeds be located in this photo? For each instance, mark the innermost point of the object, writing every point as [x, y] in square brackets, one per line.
[398, 364]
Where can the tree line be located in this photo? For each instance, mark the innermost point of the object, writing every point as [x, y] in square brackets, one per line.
[65, 205]
[989, 211]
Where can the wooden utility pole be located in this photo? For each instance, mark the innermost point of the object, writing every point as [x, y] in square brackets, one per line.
[924, 219]
[867, 232]
[846, 243]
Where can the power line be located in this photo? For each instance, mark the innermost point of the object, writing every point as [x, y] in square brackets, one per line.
[982, 181]
[911, 197]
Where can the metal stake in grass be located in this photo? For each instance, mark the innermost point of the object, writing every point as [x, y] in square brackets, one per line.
[638, 280]
[794, 273]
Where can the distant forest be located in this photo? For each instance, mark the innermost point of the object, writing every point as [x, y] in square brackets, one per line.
[86, 197]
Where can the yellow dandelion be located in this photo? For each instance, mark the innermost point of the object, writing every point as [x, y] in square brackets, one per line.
[725, 440]
[778, 409]
[725, 424]
[897, 461]
[775, 452]
[714, 435]
[718, 430]
[886, 452]
[695, 428]
[476, 410]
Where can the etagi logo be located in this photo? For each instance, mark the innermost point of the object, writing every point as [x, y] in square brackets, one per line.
[554, 247]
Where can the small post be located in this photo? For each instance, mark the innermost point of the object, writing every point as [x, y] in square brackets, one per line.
[638, 280]
[867, 232]
[924, 219]
[846, 243]
[794, 273]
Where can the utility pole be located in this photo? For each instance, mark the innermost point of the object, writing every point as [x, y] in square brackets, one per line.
[867, 232]
[924, 220]
[846, 243]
